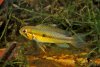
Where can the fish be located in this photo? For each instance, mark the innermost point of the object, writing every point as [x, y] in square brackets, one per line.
[47, 34]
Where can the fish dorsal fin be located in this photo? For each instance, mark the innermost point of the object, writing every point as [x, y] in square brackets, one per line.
[51, 28]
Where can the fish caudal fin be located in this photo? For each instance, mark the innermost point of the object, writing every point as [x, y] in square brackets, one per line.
[78, 41]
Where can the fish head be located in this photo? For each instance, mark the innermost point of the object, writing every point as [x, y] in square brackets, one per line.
[26, 31]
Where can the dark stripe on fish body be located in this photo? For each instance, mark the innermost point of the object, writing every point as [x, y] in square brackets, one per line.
[44, 35]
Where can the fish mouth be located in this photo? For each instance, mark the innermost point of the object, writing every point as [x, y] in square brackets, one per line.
[20, 31]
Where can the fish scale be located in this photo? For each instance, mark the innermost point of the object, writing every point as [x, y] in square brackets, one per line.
[46, 34]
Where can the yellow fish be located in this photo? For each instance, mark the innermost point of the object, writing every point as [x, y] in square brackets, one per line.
[47, 34]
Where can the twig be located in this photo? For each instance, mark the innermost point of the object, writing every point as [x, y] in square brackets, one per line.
[7, 54]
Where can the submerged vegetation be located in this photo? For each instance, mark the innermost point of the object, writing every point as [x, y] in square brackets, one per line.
[78, 17]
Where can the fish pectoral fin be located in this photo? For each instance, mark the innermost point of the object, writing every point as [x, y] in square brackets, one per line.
[42, 47]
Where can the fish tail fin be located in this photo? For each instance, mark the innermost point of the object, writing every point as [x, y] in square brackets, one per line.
[78, 41]
[73, 43]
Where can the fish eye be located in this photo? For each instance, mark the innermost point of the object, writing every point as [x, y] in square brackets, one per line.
[24, 31]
